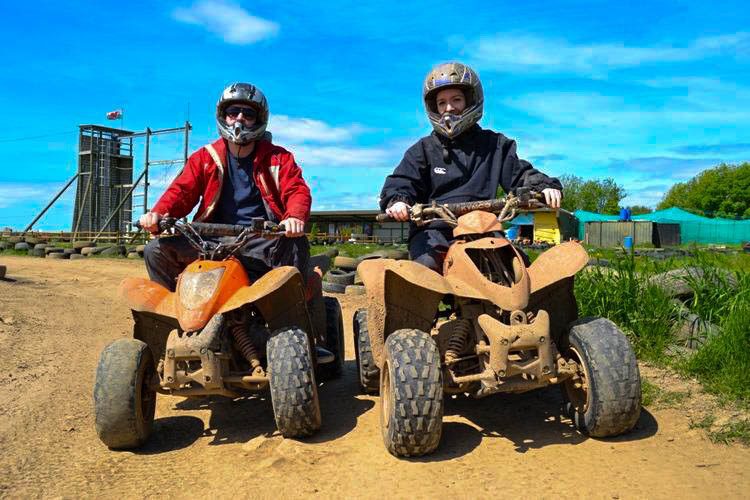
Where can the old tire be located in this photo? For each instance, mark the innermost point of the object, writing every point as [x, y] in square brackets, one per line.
[333, 287]
[340, 276]
[80, 245]
[21, 246]
[368, 373]
[355, 290]
[411, 394]
[334, 340]
[124, 401]
[346, 263]
[609, 401]
[294, 393]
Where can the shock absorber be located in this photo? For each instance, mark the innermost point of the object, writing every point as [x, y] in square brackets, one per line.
[457, 340]
[238, 328]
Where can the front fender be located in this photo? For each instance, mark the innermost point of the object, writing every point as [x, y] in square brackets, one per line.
[279, 295]
[400, 294]
[144, 295]
[556, 264]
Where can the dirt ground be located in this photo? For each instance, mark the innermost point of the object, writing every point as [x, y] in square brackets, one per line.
[56, 316]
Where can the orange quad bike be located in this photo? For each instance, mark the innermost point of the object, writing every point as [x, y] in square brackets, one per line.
[490, 323]
[220, 334]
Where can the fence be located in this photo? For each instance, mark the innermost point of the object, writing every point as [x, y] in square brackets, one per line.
[612, 233]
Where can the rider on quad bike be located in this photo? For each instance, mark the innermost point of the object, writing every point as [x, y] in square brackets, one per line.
[240, 178]
[458, 162]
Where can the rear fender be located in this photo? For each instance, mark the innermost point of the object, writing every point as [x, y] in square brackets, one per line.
[279, 295]
[400, 294]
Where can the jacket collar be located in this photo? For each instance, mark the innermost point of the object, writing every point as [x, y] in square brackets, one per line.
[263, 148]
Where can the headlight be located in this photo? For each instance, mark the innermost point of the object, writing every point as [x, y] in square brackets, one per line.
[197, 288]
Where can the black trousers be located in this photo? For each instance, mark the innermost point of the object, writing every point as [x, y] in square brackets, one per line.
[168, 256]
[429, 246]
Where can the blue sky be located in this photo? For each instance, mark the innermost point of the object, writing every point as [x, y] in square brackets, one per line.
[647, 93]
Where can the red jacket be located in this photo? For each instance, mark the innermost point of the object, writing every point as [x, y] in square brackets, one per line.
[274, 171]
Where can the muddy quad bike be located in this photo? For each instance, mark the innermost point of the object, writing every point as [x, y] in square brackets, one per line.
[219, 334]
[490, 323]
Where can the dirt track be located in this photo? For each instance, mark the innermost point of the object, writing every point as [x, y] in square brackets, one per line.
[57, 316]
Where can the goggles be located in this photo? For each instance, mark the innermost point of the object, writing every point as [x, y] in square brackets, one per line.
[246, 111]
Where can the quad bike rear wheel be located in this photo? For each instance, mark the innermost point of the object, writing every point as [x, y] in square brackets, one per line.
[411, 394]
[368, 373]
[604, 398]
[124, 399]
[334, 340]
[294, 393]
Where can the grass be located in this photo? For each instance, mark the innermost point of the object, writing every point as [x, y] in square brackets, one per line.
[653, 395]
[353, 250]
[623, 294]
[730, 432]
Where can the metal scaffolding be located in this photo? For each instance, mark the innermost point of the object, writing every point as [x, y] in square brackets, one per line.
[105, 190]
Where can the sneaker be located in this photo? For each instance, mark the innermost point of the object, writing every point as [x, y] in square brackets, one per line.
[324, 355]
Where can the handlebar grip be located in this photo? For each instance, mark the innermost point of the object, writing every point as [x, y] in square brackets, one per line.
[384, 218]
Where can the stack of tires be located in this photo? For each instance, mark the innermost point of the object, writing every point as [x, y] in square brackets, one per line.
[343, 275]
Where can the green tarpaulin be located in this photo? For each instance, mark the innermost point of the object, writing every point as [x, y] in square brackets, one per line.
[698, 229]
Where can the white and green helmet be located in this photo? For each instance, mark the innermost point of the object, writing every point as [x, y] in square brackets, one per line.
[453, 75]
[242, 93]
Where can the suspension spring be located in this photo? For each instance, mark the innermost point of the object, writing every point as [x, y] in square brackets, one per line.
[244, 344]
[457, 340]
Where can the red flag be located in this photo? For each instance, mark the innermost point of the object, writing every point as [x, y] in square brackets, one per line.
[114, 115]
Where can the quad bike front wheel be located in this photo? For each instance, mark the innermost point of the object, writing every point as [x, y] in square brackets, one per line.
[368, 373]
[604, 398]
[294, 393]
[411, 394]
[334, 340]
[124, 399]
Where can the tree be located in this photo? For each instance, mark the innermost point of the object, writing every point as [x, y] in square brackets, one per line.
[722, 191]
[595, 195]
[640, 209]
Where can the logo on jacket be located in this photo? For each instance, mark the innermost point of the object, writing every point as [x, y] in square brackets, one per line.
[439, 170]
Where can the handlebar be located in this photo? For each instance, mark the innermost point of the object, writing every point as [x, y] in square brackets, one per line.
[522, 198]
[258, 226]
[194, 232]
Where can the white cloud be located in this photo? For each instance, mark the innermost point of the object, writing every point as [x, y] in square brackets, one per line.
[290, 129]
[12, 193]
[509, 52]
[592, 110]
[340, 156]
[227, 20]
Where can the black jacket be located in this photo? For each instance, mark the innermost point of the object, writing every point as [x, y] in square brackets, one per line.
[467, 168]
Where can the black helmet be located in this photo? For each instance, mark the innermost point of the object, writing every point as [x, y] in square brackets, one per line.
[242, 93]
[453, 75]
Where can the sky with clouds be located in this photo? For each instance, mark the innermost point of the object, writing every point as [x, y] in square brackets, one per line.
[649, 93]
